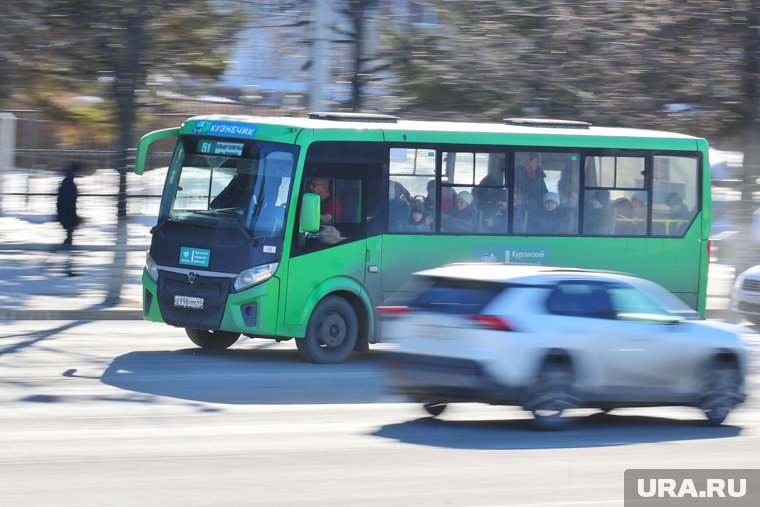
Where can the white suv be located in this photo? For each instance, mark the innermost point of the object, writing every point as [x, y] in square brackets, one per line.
[745, 296]
[550, 339]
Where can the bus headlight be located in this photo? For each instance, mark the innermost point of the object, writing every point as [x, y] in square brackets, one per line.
[151, 267]
[254, 275]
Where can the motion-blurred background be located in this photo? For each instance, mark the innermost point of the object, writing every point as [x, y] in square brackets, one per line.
[83, 79]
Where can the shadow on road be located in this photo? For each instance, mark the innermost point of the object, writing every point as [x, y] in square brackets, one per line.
[599, 430]
[248, 376]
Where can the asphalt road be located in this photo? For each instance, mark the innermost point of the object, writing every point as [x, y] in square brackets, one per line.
[128, 413]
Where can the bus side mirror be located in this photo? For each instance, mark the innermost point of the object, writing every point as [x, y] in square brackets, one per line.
[142, 146]
[309, 213]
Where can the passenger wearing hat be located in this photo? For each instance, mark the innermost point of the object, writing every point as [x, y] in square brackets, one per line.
[418, 219]
[599, 218]
[551, 219]
[464, 215]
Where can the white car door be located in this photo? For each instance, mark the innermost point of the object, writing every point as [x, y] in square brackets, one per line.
[652, 346]
[618, 356]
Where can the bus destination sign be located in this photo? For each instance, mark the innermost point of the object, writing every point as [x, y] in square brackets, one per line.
[220, 148]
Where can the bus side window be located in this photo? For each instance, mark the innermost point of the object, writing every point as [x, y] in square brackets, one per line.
[674, 190]
[348, 193]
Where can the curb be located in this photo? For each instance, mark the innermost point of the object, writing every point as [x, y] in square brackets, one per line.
[85, 314]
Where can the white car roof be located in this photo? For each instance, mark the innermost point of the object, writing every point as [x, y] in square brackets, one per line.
[521, 274]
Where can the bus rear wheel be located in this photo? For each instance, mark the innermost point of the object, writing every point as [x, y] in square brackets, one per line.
[212, 340]
[331, 333]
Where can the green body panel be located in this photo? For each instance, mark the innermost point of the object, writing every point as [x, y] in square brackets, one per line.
[312, 277]
[675, 265]
[266, 295]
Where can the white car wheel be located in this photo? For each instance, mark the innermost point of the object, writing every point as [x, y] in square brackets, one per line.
[552, 396]
[722, 391]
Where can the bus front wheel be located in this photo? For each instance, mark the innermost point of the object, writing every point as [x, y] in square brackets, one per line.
[212, 340]
[331, 333]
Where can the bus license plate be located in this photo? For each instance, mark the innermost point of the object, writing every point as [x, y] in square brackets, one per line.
[188, 302]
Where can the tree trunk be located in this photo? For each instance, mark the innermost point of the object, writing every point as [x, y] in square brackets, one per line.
[124, 86]
[751, 86]
[356, 78]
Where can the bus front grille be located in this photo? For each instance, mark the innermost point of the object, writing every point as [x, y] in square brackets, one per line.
[208, 291]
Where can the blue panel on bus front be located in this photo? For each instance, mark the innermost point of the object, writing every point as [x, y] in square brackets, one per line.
[194, 256]
[225, 128]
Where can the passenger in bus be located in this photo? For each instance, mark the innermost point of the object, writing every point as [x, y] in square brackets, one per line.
[331, 209]
[418, 219]
[463, 217]
[598, 217]
[567, 188]
[639, 209]
[399, 205]
[519, 213]
[624, 222]
[486, 198]
[551, 219]
[639, 214]
[447, 199]
[486, 194]
[529, 181]
[497, 222]
[678, 211]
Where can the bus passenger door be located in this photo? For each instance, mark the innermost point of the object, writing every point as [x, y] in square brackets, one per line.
[346, 252]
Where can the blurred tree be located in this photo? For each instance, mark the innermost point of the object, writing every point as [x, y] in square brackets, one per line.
[365, 62]
[352, 24]
[683, 65]
[113, 49]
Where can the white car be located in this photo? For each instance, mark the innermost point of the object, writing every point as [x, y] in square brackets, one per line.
[550, 339]
[745, 296]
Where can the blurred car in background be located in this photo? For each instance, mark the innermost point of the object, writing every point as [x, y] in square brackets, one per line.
[745, 295]
[552, 339]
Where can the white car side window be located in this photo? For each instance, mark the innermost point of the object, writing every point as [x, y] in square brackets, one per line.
[630, 300]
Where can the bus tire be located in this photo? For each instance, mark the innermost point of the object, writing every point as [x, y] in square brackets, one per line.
[332, 332]
[212, 340]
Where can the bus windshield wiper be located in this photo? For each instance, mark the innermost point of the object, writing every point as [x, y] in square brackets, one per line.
[161, 223]
[226, 216]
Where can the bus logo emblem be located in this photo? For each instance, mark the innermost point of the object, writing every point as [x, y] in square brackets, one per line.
[191, 277]
[202, 127]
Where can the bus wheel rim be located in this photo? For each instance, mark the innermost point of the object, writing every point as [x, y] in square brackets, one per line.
[332, 330]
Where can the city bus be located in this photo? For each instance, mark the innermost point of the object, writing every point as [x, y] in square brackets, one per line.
[298, 228]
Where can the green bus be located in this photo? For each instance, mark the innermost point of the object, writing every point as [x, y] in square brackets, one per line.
[283, 228]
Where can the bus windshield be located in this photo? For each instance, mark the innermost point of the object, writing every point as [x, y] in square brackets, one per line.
[244, 184]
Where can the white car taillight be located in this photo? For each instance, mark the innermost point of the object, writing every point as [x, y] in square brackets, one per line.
[492, 322]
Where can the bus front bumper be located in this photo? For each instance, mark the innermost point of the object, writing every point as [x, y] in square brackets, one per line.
[251, 312]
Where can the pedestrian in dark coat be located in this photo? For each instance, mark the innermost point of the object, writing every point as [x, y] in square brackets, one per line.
[66, 206]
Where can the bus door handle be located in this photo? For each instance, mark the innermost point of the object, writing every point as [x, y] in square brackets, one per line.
[373, 269]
